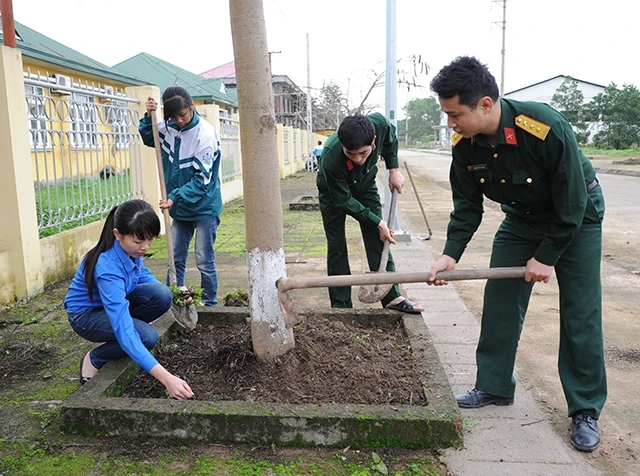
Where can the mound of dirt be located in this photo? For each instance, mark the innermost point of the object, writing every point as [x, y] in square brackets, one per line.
[333, 361]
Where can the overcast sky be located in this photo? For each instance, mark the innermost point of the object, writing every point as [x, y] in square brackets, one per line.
[589, 40]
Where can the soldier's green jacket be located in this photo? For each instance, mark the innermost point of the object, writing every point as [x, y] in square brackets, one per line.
[342, 179]
[542, 180]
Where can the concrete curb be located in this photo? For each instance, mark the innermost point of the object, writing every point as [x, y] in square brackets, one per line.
[96, 407]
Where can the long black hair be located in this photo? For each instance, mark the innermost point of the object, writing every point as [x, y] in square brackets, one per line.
[134, 217]
[174, 100]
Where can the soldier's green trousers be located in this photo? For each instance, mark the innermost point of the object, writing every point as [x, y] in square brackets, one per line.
[581, 354]
[333, 219]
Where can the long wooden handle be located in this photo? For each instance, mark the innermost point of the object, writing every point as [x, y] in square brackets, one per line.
[163, 194]
[384, 258]
[424, 215]
[285, 284]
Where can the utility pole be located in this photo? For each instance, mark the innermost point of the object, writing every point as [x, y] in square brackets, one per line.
[391, 102]
[390, 96]
[309, 112]
[503, 25]
[406, 122]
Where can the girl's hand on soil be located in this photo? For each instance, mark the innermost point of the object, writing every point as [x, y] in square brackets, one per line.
[178, 388]
[151, 105]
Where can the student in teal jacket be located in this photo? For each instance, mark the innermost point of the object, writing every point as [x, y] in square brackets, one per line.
[191, 163]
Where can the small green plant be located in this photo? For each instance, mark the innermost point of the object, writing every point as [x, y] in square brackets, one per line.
[378, 464]
[467, 423]
[183, 293]
[237, 298]
[31, 320]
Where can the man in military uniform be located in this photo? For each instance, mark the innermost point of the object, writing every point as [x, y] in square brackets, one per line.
[346, 186]
[524, 155]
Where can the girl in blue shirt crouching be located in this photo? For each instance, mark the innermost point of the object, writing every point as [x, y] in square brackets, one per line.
[114, 299]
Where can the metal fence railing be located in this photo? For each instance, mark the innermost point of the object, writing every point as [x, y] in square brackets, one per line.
[85, 150]
[231, 160]
[295, 145]
[285, 143]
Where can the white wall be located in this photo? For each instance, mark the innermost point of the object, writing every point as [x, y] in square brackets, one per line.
[543, 92]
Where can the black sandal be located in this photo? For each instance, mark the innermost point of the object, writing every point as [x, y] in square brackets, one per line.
[404, 306]
[83, 380]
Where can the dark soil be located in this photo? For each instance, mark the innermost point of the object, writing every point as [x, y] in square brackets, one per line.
[236, 299]
[21, 360]
[333, 361]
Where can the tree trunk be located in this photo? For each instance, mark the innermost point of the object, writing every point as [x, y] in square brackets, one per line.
[261, 176]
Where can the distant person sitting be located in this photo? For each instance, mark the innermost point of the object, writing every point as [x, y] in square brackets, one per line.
[318, 151]
[314, 158]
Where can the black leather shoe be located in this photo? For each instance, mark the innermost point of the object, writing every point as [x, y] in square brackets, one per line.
[585, 434]
[477, 398]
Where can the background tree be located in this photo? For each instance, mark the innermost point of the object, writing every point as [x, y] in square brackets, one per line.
[330, 106]
[422, 115]
[569, 100]
[618, 110]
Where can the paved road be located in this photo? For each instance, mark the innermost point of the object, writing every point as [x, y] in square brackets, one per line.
[537, 353]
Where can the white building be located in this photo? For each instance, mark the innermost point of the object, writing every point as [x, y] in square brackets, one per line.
[543, 91]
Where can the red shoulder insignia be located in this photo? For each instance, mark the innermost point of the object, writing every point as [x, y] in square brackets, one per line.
[510, 136]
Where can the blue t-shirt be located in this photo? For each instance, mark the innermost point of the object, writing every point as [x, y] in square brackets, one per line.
[116, 275]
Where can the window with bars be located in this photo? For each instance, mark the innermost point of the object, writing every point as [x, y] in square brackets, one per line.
[84, 120]
[36, 117]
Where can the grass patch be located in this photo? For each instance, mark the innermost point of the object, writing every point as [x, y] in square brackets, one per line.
[22, 459]
[71, 203]
[594, 151]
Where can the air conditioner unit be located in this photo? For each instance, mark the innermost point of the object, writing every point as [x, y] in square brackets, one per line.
[65, 82]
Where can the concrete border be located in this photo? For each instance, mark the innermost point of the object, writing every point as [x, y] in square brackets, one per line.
[302, 203]
[96, 409]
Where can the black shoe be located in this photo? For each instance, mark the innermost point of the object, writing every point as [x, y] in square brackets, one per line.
[477, 398]
[585, 434]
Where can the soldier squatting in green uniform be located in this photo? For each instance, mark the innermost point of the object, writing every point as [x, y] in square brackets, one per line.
[524, 155]
[346, 186]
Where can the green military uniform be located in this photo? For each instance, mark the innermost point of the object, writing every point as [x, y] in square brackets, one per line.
[554, 210]
[345, 188]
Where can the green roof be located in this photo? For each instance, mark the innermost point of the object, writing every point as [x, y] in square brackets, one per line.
[40, 47]
[156, 71]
